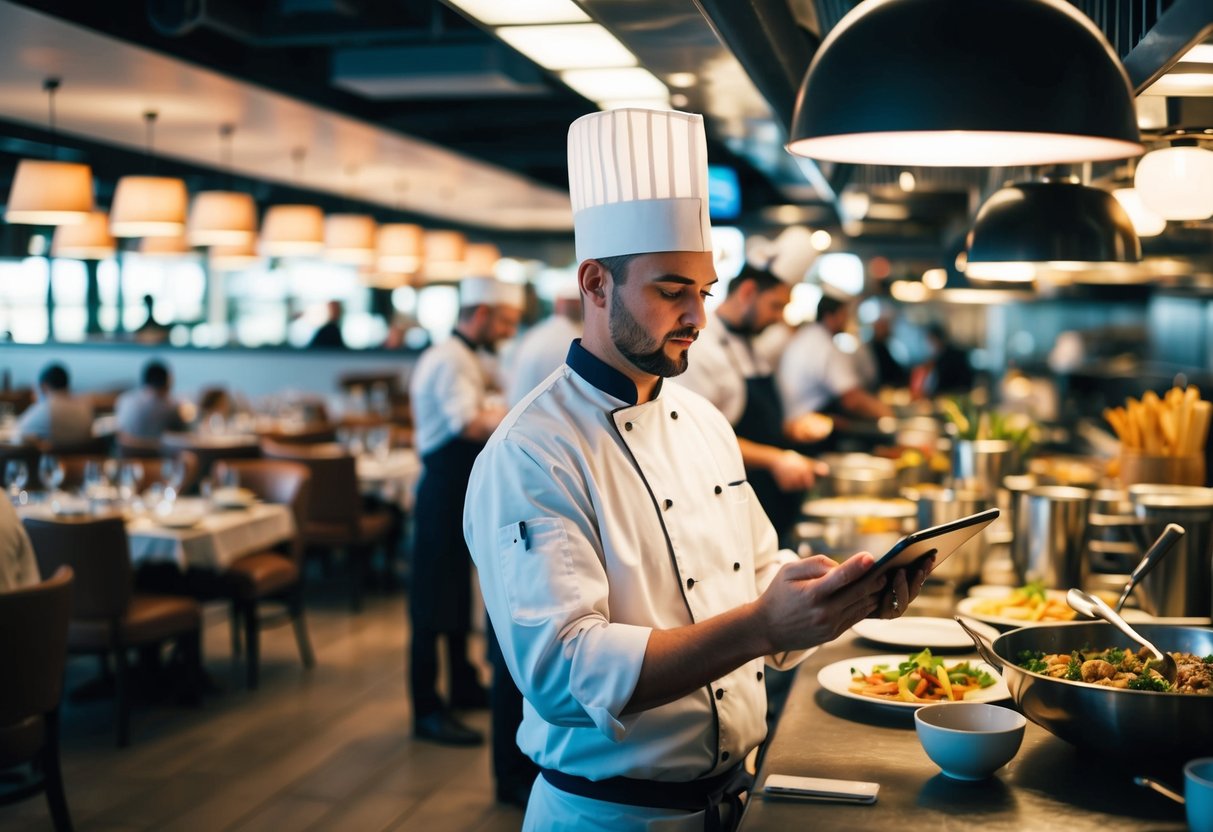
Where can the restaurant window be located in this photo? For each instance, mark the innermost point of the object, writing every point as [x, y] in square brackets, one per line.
[69, 286]
[23, 285]
[438, 309]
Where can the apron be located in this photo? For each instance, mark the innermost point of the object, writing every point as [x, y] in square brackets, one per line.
[440, 594]
[762, 422]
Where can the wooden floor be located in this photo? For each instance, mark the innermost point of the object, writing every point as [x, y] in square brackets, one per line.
[329, 748]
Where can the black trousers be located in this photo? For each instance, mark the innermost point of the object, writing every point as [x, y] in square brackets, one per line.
[512, 770]
[423, 670]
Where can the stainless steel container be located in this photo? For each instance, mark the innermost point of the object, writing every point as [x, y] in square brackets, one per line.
[1056, 529]
[1013, 499]
[937, 506]
[859, 475]
[1114, 535]
[1182, 582]
[980, 464]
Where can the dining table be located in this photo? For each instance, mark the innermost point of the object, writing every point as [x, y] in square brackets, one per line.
[1048, 785]
[391, 477]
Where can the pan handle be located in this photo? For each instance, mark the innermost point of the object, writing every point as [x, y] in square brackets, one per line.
[984, 648]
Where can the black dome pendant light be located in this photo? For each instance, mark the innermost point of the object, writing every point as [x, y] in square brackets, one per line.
[963, 83]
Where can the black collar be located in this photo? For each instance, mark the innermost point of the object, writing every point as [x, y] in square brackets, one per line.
[602, 375]
[467, 342]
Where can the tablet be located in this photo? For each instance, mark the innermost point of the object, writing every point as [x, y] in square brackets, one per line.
[940, 541]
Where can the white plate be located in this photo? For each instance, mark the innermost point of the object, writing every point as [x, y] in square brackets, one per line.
[915, 632]
[965, 606]
[178, 521]
[836, 678]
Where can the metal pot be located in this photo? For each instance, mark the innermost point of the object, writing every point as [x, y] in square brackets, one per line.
[1110, 720]
[936, 506]
[860, 475]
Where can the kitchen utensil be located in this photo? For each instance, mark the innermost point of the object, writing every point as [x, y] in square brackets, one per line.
[1055, 529]
[1090, 605]
[1182, 585]
[1161, 788]
[936, 507]
[980, 464]
[855, 475]
[1111, 721]
[1161, 546]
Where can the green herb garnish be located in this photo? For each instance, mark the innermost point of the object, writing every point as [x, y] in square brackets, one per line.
[1032, 660]
[1114, 656]
[1147, 681]
[1074, 668]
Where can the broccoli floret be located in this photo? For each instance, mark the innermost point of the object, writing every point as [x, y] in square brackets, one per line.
[1032, 660]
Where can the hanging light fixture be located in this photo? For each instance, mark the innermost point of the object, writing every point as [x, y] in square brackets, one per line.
[50, 192]
[1145, 222]
[1056, 224]
[350, 238]
[1176, 182]
[444, 253]
[399, 248]
[165, 247]
[222, 217]
[232, 258]
[149, 206]
[293, 230]
[950, 83]
[88, 240]
[480, 259]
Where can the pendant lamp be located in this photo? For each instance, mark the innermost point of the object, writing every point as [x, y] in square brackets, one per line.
[444, 253]
[399, 248]
[89, 240]
[165, 247]
[960, 83]
[350, 238]
[149, 206]
[292, 231]
[49, 192]
[222, 217]
[232, 258]
[1145, 222]
[1059, 223]
[480, 259]
[1177, 182]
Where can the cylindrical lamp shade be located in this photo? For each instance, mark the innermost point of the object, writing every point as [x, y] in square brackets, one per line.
[444, 253]
[949, 83]
[385, 280]
[1050, 222]
[88, 240]
[400, 248]
[480, 259]
[1145, 222]
[149, 206]
[221, 218]
[165, 246]
[50, 193]
[232, 258]
[292, 231]
[349, 238]
[1177, 182]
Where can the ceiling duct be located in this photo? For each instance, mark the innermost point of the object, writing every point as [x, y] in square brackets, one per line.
[438, 71]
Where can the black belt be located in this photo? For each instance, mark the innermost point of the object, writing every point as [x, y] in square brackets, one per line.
[704, 795]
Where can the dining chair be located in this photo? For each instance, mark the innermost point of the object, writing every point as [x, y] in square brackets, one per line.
[270, 576]
[32, 666]
[108, 616]
[335, 517]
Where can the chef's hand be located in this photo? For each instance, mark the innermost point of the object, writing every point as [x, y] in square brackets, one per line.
[905, 585]
[796, 472]
[811, 427]
[813, 601]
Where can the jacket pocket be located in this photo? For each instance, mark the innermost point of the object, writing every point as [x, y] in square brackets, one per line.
[537, 570]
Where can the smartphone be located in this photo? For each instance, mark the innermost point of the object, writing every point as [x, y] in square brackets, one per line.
[820, 788]
[940, 541]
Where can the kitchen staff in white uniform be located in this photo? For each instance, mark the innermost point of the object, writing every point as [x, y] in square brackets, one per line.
[543, 347]
[455, 409]
[634, 583]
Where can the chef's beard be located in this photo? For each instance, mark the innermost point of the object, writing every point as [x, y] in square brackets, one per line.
[644, 351]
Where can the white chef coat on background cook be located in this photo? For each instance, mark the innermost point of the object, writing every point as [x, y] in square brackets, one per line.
[450, 385]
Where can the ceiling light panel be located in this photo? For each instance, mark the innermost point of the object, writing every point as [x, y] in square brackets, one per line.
[521, 12]
[578, 46]
[615, 84]
[1199, 54]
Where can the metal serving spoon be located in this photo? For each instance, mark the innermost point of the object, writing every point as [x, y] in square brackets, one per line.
[1094, 607]
[1165, 541]
[1161, 788]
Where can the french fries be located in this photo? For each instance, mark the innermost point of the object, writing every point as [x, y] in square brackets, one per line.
[1176, 424]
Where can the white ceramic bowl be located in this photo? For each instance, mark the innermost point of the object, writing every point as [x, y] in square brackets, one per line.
[969, 740]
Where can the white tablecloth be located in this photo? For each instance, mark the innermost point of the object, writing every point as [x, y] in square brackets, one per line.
[392, 479]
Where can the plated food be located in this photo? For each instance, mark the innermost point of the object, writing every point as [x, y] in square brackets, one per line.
[1122, 668]
[911, 682]
[1026, 605]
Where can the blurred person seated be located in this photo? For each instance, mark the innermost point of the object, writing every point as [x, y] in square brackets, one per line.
[57, 417]
[328, 336]
[816, 376]
[946, 371]
[150, 410]
[215, 407]
[151, 331]
[18, 566]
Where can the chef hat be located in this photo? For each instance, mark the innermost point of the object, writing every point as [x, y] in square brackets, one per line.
[488, 291]
[638, 180]
[567, 290]
[793, 254]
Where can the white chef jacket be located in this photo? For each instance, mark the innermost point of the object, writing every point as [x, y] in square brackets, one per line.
[813, 372]
[592, 520]
[541, 350]
[449, 386]
[719, 366]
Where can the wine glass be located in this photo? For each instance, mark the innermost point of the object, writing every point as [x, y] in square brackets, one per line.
[93, 479]
[379, 440]
[172, 470]
[50, 472]
[226, 476]
[16, 475]
[130, 473]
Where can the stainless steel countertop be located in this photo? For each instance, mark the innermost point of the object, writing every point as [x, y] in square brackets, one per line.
[1048, 785]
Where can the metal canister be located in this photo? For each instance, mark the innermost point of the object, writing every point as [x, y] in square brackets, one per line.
[938, 506]
[980, 464]
[1056, 532]
[1181, 583]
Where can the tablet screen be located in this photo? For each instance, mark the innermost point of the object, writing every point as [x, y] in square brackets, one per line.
[940, 541]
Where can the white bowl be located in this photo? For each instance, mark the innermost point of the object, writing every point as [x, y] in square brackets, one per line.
[969, 740]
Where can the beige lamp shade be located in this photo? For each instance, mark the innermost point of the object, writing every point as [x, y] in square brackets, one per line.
[384, 280]
[292, 231]
[88, 240]
[1176, 183]
[232, 258]
[444, 253]
[399, 248]
[148, 206]
[50, 193]
[221, 218]
[350, 238]
[165, 246]
[480, 259]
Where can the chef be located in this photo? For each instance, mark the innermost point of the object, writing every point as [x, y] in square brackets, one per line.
[542, 349]
[633, 581]
[728, 371]
[455, 409]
